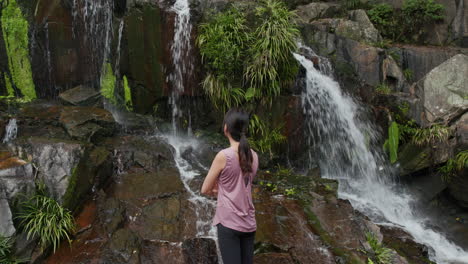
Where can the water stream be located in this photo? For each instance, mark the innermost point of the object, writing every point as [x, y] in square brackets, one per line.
[11, 131]
[180, 50]
[345, 140]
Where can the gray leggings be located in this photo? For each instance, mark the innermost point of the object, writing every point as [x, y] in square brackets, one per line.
[236, 247]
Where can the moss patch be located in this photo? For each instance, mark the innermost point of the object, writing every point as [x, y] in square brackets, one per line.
[15, 34]
[127, 94]
[108, 84]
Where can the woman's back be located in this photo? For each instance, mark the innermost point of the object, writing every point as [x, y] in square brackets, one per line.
[235, 208]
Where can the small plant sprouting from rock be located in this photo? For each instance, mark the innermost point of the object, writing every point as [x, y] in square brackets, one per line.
[6, 252]
[264, 137]
[44, 218]
[426, 136]
[383, 88]
[455, 165]
[127, 94]
[380, 254]
[408, 73]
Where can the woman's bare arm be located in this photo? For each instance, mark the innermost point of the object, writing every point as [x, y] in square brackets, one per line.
[216, 167]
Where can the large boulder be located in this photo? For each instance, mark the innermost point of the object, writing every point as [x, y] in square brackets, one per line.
[444, 90]
[316, 10]
[358, 27]
[6, 222]
[56, 161]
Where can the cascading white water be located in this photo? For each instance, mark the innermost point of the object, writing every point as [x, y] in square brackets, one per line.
[117, 51]
[11, 131]
[180, 49]
[95, 18]
[204, 207]
[345, 147]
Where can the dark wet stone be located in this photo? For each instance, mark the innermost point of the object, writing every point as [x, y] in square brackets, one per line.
[87, 123]
[273, 258]
[123, 247]
[404, 244]
[81, 96]
[200, 251]
[159, 220]
[161, 252]
[111, 214]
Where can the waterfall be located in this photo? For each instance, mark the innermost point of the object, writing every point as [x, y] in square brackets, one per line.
[180, 56]
[94, 17]
[117, 51]
[11, 131]
[344, 139]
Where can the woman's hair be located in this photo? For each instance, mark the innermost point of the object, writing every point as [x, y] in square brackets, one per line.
[237, 123]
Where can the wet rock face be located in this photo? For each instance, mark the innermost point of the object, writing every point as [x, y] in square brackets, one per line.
[81, 96]
[199, 251]
[312, 11]
[86, 123]
[16, 176]
[6, 222]
[444, 90]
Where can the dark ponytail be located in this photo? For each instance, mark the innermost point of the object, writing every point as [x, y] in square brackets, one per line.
[245, 154]
[237, 123]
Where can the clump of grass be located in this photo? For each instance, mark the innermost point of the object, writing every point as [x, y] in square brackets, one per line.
[44, 218]
[6, 251]
[450, 169]
[380, 254]
[264, 137]
[383, 88]
[431, 135]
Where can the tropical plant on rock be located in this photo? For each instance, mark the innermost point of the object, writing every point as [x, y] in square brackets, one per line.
[248, 61]
[44, 218]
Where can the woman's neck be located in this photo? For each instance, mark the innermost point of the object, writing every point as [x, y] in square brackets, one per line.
[234, 144]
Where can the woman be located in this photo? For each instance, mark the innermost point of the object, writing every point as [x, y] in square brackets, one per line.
[230, 177]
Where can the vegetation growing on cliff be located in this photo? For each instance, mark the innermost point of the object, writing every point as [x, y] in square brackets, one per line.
[44, 218]
[248, 61]
[407, 24]
[15, 34]
[454, 165]
[380, 254]
[127, 94]
[108, 84]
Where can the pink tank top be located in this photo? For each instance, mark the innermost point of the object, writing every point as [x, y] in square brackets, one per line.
[235, 208]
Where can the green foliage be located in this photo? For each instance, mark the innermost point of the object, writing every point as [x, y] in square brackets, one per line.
[248, 62]
[108, 84]
[391, 144]
[418, 13]
[127, 94]
[381, 254]
[407, 24]
[223, 42]
[383, 88]
[44, 218]
[264, 137]
[408, 73]
[221, 93]
[9, 86]
[382, 16]
[270, 53]
[6, 252]
[457, 164]
[15, 34]
[5, 248]
[426, 136]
